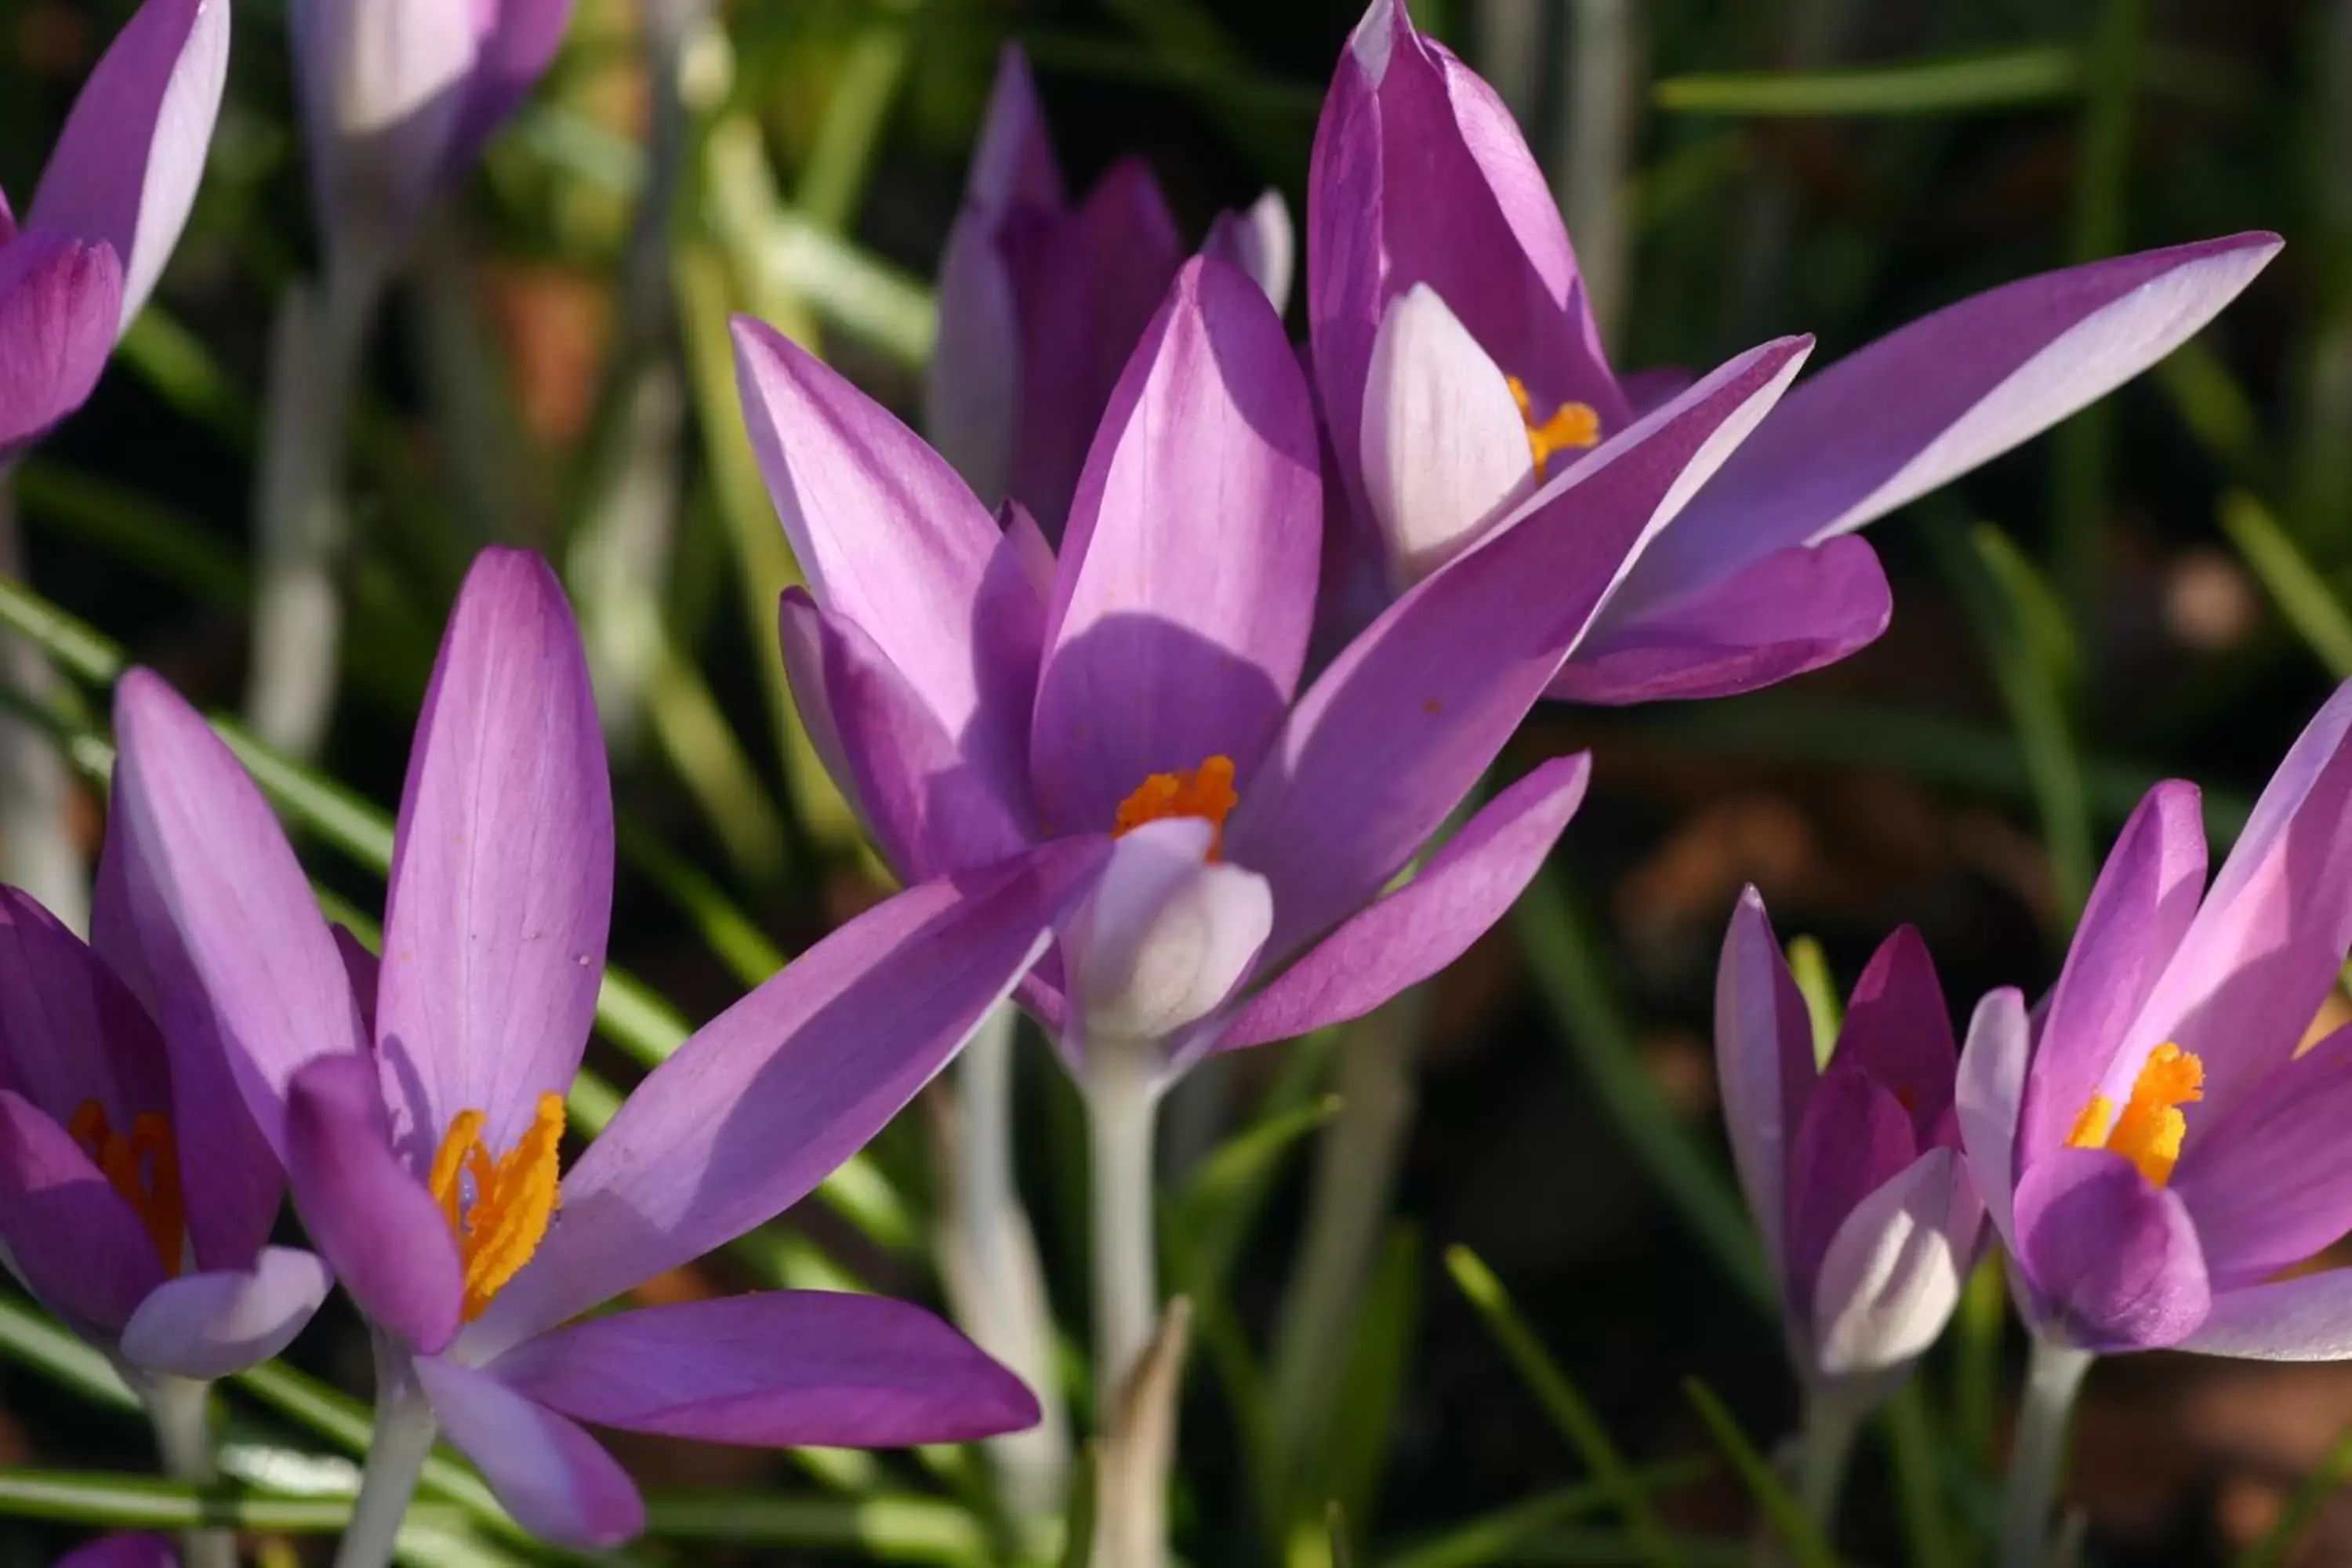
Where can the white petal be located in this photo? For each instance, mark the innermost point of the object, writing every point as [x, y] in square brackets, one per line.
[1893, 1273]
[1165, 939]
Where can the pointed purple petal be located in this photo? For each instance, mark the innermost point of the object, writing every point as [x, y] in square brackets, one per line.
[1414, 933]
[2308, 1318]
[371, 1215]
[59, 301]
[69, 1032]
[1855, 1137]
[1187, 589]
[209, 1325]
[65, 1231]
[971, 387]
[1988, 1096]
[1892, 1275]
[2269, 1184]
[1014, 161]
[2111, 1263]
[511, 54]
[552, 1477]
[782, 1369]
[1764, 1061]
[1897, 1031]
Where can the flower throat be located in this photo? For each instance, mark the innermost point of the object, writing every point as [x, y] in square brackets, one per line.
[514, 1198]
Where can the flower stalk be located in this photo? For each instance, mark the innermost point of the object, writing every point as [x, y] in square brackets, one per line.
[1122, 1104]
[1831, 1423]
[2054, 1376]
[405, 1428]
[180, 1409]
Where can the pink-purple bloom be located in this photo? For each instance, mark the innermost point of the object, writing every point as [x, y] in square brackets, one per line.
[122, 1551]
[1852, 1168]
[418, 1107]
[1042, 299]
[108, 209]
[1459, 363]
[2155, 1145]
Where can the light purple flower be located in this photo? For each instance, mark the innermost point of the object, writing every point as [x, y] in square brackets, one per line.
[1852, 1170]
[973, 692]
[122, 1551]
[1459, 363]
[108, 209]
[2153, 1149]
[1041, 301]
[418, 1109]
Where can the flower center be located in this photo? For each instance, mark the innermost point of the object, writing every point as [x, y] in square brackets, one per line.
[1206, 791]
[1572, 427]
[513, 1198]
[2149, 1131]
[144, 1172]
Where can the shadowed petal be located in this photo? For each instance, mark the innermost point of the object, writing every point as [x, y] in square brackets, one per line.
[122, 1551]
[1855, 1137]
[2111, 1263]
[971, 386]
[1988, 1095]
[1260, 240]
[1893, 1273]
[209, 1325]
[552, 1477]
[510, 56]
[1897, 1031]
[1414, 933]
[2304, 1319]
[2269, 1184]
[59, 301]
[1764, 1061]
[64, 1230]
[1014, 162]
[70, 1031]
[500, 892]
[781, 1369]
[382, 85]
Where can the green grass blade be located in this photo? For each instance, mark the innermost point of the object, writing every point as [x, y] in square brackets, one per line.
[1806, 1547]
[1505, 1536]
[1913, 1445]
[1972, 84]
[2301, 595]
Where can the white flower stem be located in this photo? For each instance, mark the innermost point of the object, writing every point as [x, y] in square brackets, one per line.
[1831, 1423]
[404, 1438]
[1123, 1102]
[2052, 1377]
[181, 1411]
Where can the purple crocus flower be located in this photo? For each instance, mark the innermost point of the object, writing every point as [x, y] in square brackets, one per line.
[108, 209]
[1041, 301]
[1459, 365]
[419, 1109]
[2154, 1146]
[973, 691]
[122, 1551]
[1852, 1170]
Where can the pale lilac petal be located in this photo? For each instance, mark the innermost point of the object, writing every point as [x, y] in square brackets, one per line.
[1892, 1275]
[125, 168]
[242, 960]
[383, 87]
[69, 1032]
[1855, 1137]
[1988, 1095]
[2308, 1318]
[63, 1230]
[371, 1215]
[1794, 611]
[1932, 400]
[1764, 1063]
[971, 387]
[1897, 1031]
[779, 1370]
[59, 301]
[929, 811]
[2110, 1262]
[500, 893]
[1429, 923]
[555, 1479]
[1262, 242]
[122, 1551]
[1163, 941]
[767, 1099]
[209, 1325]
[2268, 1183]
[2137, 912]
[1398, 728]
[511, 54]
[1180, 619]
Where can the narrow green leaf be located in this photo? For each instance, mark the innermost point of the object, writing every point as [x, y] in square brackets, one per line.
[1912, 1444]
[140, 1502]
[1363, 1429]
[2310, 605]
[1804, 1541]
[1823, 1007]
[134, 528]
[1078, 1525]
[893, 1528]
[30, 1338]
[1234, 1168]
[1962, 85]
[1505, 1536]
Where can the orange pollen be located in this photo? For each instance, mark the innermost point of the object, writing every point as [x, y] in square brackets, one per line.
[1206, 791]
[1572, 427]
[2149, 1130]
[144, 1172]
[514, 1198]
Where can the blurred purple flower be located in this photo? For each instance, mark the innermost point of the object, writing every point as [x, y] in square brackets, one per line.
[1041, 301]
[419, 1109]
[2154, 1144]
[122, 1551]
[1459, 365]
[972, 692]
[1852, 1171]
[108, 209]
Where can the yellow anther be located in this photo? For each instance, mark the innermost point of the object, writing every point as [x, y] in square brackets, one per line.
[1207, 791]
[514, 1198]
[1572, 428]
[144, 1172]
[2149, 1130]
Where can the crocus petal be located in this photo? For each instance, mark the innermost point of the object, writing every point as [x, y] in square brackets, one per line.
[1892, 1274]
[1932, 400]
[768, 1098]
[2139, 910]
[1429, 923]
[388, 1240]
[209, 1325]
[1988, 1095]
[64, 1231]
[1794, 611]
[500, 892]
[1261, 241]
[69, 1032]
[365, 971]
[2268, 1184]
[1014, 162]
[383, 85]
[928, 809]
[2308, 1318]
[225, 918]
[125, 168]
[1855, 1137]
[59, 301]
[2111, 1262]
[1445, 448]
[890, 538]
[1187, 589]
[1764, 1061]
[1163, 941]
[552, 1477]
[122, 1551]
[971, 386]
[782, 1369]
[1398, 728]
[512, 51]
[1897, 1031]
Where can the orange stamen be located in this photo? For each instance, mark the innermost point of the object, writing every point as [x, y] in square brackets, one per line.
[514, 1198]
[1572, 427]
[144, 1172]
[1206, 791]
[2149, 1130]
